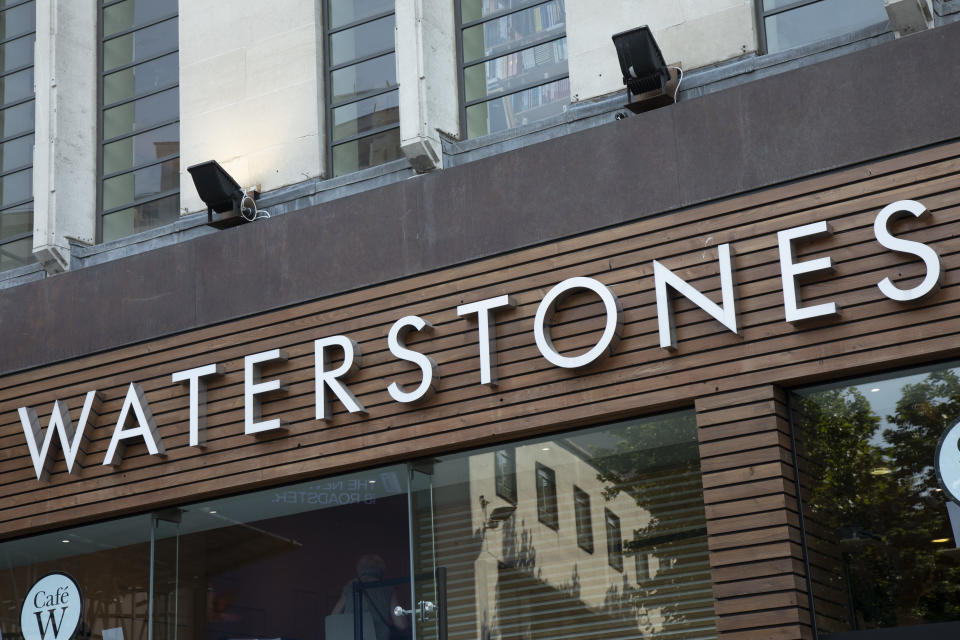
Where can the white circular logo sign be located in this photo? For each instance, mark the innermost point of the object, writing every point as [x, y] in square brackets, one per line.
[948, 462]
[52, 608]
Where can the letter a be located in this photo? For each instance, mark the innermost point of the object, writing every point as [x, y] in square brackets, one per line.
[146, 427]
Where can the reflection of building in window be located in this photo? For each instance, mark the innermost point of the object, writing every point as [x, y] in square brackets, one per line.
[787, 24]
[581, 506]
[363, 122]
[614, 540]
[547, 496]
[514, 63]
[505, 475]
[510, 577]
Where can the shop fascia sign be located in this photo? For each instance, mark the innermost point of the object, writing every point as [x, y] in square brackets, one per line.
[136, 423]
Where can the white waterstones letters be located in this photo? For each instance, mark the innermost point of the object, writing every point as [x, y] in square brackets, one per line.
[725, 314]
[397, 342]
[331, 380]
[612, 330]
[253, 389]
[136, 404]
[324, 378]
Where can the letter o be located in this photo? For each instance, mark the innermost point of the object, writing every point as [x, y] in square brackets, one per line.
[548, 306]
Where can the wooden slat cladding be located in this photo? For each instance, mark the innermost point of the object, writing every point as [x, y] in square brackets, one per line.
[753, 524]
[747, 465]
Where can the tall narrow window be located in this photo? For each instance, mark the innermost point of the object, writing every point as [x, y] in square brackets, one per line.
[785, 24]
[363, 117]
[17, 29]
[614, 540]
[547, 496]
[139, 116]
[505, 474]
[513, 56]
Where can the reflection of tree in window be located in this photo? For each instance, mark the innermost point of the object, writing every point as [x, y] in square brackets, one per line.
[874, 511]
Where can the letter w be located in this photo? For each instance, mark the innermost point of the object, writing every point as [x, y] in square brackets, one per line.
[51, 620]
[71, 441]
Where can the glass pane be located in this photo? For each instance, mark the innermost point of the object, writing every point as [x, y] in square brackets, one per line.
[360, 42]
[17, 21]
[140, 218]
[16, 86]
[141, 114]
[366, 152]
[16, 221]
[140, 45]
[518, 108]
[471, 10]
[113, 598]
[526, 67]
[820, 21]
[16, 153]
[18, 119]
[883, 536]
[348, 11]
[12, 255]
[142, 183]
[132, 13]
[141, 148]
[366, 115]
[514, 31]
[16, 187]
[16, 53]
[140, 79]
[509, 570]
[359, 79]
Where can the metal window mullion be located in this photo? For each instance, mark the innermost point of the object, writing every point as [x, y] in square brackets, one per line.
[527, 87]
[16, 238]
[365, 96]
[356, 61]
[365, 134]
[140, 27]
[19, 203]
[153, 92]
[142, 201]
[4, 174]
[138, 132]
[138, 167]
[17, 70]
[127, 65]
[109, 3]
[505, 12]
[25, 34]
[534, 44]
[16, 103]
[358, 23]
[14, 6]
[16, 136]
[788, 7]
[461, 79]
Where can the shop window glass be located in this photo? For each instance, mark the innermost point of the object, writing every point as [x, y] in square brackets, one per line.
[139, 116]
[786, 24]
[883, 539]
[514, 63]
[17, 26]
[363, 119]
[505, 575]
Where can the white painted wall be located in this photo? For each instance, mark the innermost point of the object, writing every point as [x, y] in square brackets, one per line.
[65, 141]
[427, 74]
[249, 91]
[691, 33]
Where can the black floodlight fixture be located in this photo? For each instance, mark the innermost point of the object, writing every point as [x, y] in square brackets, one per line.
[220, 192]
[642, 64]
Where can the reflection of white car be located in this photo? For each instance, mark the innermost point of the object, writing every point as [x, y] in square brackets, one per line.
[948, 462]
